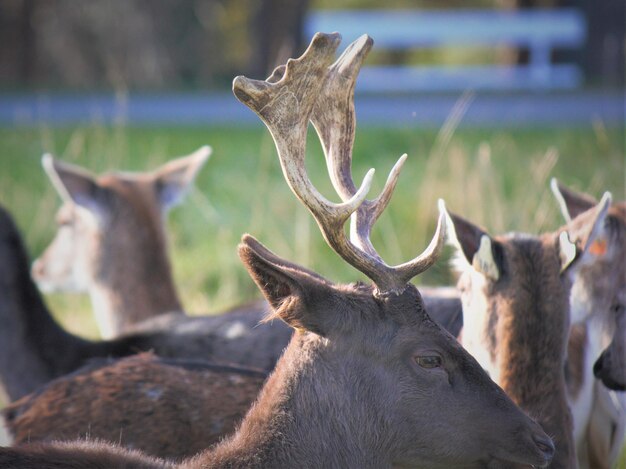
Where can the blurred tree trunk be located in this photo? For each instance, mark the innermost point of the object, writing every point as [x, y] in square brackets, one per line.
[602, 57]
[278, 33]
[17, 51]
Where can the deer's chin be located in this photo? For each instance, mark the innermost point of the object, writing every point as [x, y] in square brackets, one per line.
[506, 463]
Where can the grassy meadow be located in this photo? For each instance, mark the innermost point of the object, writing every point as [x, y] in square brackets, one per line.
[498, 178]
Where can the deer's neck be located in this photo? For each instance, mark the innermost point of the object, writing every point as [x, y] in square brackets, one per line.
[531, 358]
[297, 422]
[126, 291]
[33, 347]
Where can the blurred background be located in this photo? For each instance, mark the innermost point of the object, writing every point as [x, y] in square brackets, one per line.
[488, 108]
[162, 45]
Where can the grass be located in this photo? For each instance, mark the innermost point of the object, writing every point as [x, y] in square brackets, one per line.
[496, 178]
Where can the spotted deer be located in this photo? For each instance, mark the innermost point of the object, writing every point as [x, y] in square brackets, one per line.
[170, 408]
[35, 349]
[597, 307]
[368, 380]
[111, 240]
[515, 291]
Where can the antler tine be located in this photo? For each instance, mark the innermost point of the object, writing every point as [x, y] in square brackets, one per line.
[334, 120]
[284, 102]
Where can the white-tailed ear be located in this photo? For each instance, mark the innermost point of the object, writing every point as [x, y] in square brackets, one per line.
[567, 250]
[570, 202]
[590, 232]
[473, 243]
[596, 244]
[483, 260]
[75, 184]
[175, 178]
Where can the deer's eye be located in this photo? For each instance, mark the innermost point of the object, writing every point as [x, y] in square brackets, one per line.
[428, 361]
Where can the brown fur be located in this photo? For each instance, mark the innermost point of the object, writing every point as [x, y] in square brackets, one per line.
[574, 370]
[356, 397]
[35, 349]
[525, 324]
[170, 409]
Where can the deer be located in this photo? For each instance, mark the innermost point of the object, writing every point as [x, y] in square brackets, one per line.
[597, 308]
[515, 290]
[368, 379]
[111, 240]
[35, 349]
[110, 243]
[169, 408]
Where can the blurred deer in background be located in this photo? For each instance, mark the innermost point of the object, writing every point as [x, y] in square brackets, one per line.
[368, 379]
[111, 243]
[598, 303]
[111, 240]
[169, 408]
[34, 348]
[515, 291]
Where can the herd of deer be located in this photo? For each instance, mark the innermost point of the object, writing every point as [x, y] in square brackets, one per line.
[501, 376]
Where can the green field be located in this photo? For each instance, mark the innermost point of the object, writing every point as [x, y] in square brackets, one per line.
[498, 178]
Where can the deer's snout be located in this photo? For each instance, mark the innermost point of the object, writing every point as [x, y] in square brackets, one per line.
[601, 370]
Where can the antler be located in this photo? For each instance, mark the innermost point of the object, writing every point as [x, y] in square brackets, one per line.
[334, 120]
[309, 88]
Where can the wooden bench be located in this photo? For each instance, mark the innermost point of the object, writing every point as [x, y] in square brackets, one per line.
[539, 31]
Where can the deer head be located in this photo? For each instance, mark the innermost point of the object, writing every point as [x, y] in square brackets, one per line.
[367, 363]
[515, 293]
[111, 241]
[599, 289]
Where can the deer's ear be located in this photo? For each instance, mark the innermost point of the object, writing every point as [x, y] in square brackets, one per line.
[476, 246]
[174, 179]
[588, 231]
[75, 184]
[572, 203]
[298, 296]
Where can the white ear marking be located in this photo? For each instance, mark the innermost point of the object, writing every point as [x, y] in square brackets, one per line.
[483, 260]
[567, 250]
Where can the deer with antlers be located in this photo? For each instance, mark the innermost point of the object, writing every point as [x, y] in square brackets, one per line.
[368, 379]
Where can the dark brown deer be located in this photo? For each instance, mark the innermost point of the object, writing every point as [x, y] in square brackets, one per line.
[597, 308]
[368, 379]
[111, 240]
[34, 349]
[515, 291]
[169, 408]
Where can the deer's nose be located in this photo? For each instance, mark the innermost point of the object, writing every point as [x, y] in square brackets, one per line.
[598, 365]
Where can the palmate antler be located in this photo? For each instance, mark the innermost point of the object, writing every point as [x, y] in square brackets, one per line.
[313, 88]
